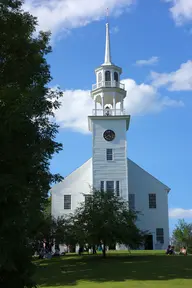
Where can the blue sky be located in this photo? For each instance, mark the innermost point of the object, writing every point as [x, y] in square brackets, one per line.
[152, 41]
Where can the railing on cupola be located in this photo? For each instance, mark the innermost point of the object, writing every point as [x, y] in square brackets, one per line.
[108, 112]
[108, 84]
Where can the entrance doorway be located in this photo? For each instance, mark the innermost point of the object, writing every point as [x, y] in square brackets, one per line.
[148, 242]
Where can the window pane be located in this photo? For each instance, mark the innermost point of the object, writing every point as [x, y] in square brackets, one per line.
[132, 201]
[116, 78]
[102, 186]
[152, 201]
[67, 202]
[160, 235]
[107, 76]
[117, 188]
[110, 186]
[109, 154]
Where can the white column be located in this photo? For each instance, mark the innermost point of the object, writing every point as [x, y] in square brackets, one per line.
[96, 107]
[122, 105]
[102, 103]
[112, 78]
[103, 78]
[114, 103]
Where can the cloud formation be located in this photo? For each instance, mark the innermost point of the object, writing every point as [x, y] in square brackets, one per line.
[179, 80]
[59, 15]
[181, 10]
[153, 60]
[141, 99]
[180, 213]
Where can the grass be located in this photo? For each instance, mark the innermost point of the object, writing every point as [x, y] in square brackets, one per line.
[119, 270]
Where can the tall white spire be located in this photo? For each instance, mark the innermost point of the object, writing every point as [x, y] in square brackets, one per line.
[107, 45]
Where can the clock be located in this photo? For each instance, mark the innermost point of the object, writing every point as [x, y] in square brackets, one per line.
[109, 135]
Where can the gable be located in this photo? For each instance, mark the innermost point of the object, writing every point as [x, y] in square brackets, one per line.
[138, 173]
[82, 174]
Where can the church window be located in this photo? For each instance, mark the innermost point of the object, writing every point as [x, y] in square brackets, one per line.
[160, 235]
[110, 186]
[117, 189]
[87, 198]
[102, 186]
[67, 202]
[116, 76]
[152, 201]
[109, 154]
[107, 76]
[132, 201]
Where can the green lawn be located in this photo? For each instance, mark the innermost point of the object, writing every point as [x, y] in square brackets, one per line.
[138, 269]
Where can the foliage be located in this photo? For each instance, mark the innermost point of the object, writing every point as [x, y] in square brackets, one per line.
[105, 219]
[47, 209]
[55, 230]
[182, 235]
[27, 140]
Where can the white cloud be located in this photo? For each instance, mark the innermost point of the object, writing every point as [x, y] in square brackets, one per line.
[141, 99]
[181, 10]
[76, 106]
[153, 60]
[56, 15]
[180, 213]
[179, 80]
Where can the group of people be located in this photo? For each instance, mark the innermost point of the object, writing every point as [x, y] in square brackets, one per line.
[171, 250]
[88, 248]
[45, 249]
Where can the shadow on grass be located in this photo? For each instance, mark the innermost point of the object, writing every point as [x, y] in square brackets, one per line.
[70, 270]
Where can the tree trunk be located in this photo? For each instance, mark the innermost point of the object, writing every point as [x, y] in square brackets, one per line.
[104, 250]
[94, 250]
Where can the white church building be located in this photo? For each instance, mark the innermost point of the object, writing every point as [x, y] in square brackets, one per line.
[109, 168]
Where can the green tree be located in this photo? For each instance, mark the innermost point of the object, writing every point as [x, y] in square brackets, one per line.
[105, 219]
[65, 231]
[27, 140]
[47, 210]
[52, 230]
[182, 235]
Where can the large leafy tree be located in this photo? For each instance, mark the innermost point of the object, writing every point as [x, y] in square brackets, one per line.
[27, 139]
[182, 234]
[56, 231]
[47, 209]
[105, 219]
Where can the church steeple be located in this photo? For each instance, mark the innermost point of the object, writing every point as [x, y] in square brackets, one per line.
[107, 47]
[108, 92]
[109, 123]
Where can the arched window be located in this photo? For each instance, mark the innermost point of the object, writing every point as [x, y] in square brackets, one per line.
[116, 76]
[107, 76]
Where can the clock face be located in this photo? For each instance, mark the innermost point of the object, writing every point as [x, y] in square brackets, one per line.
[109, 135]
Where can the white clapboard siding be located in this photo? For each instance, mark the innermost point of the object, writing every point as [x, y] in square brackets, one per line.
[141, 183]
[115, 170]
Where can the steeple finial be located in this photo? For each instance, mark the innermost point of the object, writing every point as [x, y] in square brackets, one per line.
[107, 44]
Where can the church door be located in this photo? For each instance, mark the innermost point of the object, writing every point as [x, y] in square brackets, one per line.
[149, 242]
